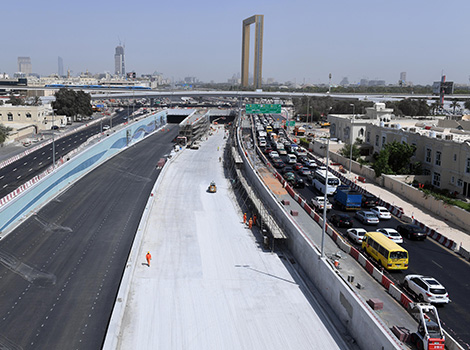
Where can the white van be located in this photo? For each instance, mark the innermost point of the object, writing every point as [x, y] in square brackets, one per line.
[291, 159]
[262, 142]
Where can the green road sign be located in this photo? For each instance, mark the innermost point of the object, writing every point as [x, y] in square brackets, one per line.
[290, 123]
[262, 109]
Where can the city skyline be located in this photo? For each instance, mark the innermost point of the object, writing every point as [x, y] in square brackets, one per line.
[303, 42]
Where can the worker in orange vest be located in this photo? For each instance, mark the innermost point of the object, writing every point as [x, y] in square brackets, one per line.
[244, 218]
[250, 223]
[148, 257]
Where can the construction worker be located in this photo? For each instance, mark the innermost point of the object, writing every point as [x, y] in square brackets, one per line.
[148, 257]
[244, 218]
[254, 219]
[250, 223]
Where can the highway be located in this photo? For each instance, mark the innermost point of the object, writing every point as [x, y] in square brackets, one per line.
[426, 258]
[61, 269]
[15, 174]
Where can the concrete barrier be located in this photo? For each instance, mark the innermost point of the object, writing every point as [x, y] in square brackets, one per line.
[27, 202]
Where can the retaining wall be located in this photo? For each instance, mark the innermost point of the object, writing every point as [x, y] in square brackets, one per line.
[25, 203]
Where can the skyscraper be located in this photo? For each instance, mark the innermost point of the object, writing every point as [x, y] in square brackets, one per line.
[60, 70]
[24, 65]
[119, 66]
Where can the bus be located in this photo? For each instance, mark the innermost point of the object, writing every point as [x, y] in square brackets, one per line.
[386, 252]
[319, 182]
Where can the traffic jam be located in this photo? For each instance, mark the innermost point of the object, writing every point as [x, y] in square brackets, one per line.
[390, 244]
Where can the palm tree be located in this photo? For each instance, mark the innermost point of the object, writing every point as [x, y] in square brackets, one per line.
[435, 106]
[454, 104]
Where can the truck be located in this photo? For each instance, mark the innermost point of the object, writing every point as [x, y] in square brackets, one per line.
[318, 203]
[348, 199]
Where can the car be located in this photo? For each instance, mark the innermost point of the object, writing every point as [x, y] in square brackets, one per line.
[356, 234]
[369, 201]
[426, 289]
[412, 231]
[341, 220]
[287, 169]
[106, 127]
[381, 212]
[392, 234]
[304, 159]
[367, 217]
[299, 182]
[268, 150]
[289, 177]
[278, 163]
[297, 166]
[305, 172]
[311, 163]
[274, 154]
[54, 127]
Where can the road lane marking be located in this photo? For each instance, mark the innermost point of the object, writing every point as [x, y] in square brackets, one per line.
[31, 169]
[5, 185]
[34, 158]
[40, 163]
[437, 264]
[25, 163]
[14, 169]
[1, 177]
[18, 177]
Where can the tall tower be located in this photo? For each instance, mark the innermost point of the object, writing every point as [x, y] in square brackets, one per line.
[60, 63]
[259, 20]
[119, 66]
[24, 65]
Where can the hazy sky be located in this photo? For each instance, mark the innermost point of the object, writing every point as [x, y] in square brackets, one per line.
[303, 40]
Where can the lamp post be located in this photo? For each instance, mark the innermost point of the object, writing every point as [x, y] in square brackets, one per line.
[351, 137]
[325, 194]
[308, 102]
[53, 141]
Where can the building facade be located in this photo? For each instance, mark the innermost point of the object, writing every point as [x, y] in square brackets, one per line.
[24, 65]
[119, 64]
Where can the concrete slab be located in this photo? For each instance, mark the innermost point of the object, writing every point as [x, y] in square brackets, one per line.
[210, 285]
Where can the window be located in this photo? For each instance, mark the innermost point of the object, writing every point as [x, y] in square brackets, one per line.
[368, 137]
[428, 156]
[438, 158]
[376, 140]
[455, 157]
[384, 139]
[467, 167]
[436, 180]
[426, 172]
[415, 148]
[452, 180]
[459, 182]
[361, 132]
[10, 117]
[28, 115]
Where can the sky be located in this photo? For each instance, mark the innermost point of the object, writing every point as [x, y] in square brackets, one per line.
[303, 41]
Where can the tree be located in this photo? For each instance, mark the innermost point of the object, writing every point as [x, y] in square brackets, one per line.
[394, 158]
[467, 104]
[15, 101]
[4, 132]
[346, 151]
[454, 105]
[71, 103]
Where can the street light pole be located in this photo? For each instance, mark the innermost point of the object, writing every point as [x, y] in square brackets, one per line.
[351, 137]
[325, 194]
[308, 102]
[53, 141]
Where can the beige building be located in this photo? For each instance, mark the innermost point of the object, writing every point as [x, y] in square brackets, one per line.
[28, 121]
[442, 146]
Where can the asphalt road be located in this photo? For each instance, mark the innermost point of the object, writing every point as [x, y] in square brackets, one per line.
[61, 269]
[426, 258]
[17, 173]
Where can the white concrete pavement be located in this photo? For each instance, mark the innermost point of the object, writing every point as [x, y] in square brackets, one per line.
[210, 285]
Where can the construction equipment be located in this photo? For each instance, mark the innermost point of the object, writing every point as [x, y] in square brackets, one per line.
[430, 335]
[212, 187]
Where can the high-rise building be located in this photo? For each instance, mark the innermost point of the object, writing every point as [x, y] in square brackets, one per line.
[119, 66]
[402, 80]
[24, 65]
[60, 70]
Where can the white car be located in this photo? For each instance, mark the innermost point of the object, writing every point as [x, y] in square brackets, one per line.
[356, 234]
[274, 154]
[106, 127]
[392, 234]
[426, 289]
[381, 212]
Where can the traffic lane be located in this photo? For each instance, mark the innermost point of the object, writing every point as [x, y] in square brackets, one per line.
[429, 258]
[80, 243]
[21, 171]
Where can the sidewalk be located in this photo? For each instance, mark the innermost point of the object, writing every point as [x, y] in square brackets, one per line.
[431, 220]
